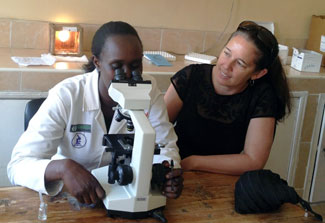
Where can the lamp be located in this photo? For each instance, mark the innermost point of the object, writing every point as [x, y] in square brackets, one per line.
[66, 39]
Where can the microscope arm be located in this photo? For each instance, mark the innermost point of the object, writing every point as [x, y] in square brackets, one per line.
[143, 150]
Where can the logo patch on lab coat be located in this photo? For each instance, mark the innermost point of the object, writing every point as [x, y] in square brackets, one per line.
[79, 140]
[80, 128]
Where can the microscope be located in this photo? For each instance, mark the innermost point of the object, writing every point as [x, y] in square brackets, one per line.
[131, 181]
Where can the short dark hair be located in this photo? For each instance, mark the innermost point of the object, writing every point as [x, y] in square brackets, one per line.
[106, 30]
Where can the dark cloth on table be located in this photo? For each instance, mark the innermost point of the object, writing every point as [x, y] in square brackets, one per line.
[261, 191]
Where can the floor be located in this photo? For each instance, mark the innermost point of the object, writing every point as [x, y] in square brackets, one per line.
[320, 209]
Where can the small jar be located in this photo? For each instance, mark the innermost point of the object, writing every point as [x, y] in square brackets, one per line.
[42, 212]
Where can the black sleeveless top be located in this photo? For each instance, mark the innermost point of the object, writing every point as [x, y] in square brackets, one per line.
[212, 124]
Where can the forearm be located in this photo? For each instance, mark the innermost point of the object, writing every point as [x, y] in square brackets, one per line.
[233, 164]
[256, 151]
[55, 170]
[30, 172]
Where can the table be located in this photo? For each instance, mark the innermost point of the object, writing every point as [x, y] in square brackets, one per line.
[206, 198]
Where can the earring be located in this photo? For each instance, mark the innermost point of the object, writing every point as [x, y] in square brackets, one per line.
[251, 82]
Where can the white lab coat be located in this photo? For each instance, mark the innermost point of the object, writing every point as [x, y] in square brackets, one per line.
[70, 124]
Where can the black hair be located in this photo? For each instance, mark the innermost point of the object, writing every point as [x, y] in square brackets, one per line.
[268, 50]
[106, 30]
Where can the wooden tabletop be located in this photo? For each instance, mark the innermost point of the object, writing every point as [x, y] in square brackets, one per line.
[206, 198]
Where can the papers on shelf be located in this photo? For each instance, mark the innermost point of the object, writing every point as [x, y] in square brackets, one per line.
[47, 60]
[82, 59]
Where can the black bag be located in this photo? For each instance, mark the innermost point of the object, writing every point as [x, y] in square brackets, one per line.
[261, 191]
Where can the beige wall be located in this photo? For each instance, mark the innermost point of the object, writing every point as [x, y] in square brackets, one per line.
[291, 17]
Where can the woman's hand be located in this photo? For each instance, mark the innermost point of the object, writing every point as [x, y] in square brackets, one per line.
[174, 182]
[79, 182]
[82, 184]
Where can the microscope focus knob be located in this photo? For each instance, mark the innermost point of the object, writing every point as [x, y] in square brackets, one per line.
[111, 174]
[125, 174]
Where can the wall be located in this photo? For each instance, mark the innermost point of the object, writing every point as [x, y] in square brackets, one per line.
[291, 17]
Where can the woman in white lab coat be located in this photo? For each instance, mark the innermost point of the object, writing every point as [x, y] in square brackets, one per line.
[63, 142]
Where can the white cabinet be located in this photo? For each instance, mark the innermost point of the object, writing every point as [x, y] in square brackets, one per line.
[284, 153]
[314, 189]
[12, 107]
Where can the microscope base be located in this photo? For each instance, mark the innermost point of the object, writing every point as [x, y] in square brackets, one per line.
[120, 201]
[156, 213]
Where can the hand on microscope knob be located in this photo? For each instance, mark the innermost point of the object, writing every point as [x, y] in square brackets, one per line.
[81, 184]
[174, 181]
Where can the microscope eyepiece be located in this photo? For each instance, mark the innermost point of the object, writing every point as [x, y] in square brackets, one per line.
[136, 75]
[119, 74]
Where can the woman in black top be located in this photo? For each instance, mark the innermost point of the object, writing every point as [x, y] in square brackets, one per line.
[225, 114]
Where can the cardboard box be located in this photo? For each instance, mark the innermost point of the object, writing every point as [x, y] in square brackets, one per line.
[316, 31]
[306, 60]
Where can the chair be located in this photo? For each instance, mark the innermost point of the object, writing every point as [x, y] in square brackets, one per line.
[31, 108]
